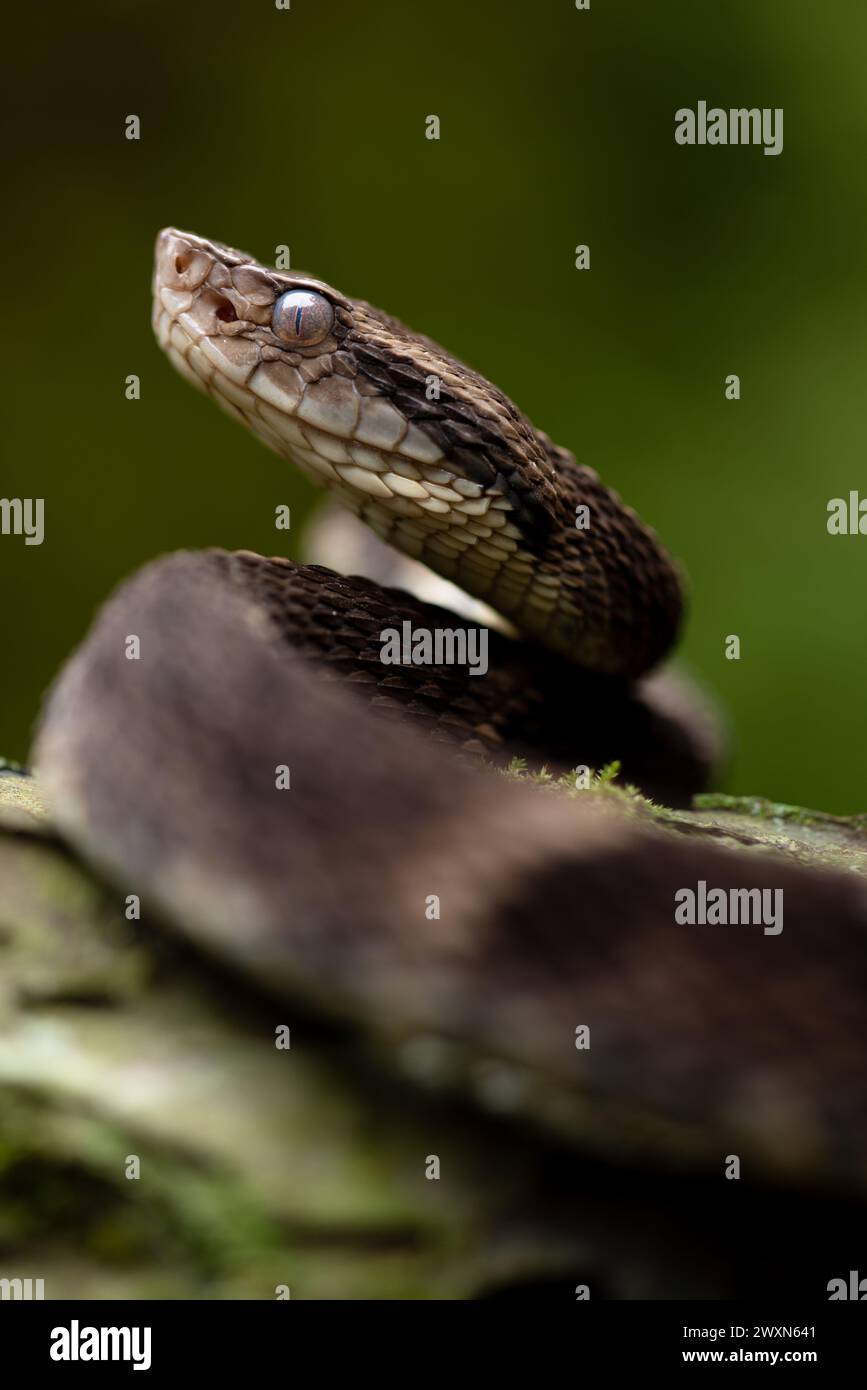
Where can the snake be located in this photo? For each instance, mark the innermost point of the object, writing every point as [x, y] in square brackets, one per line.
[228, 744]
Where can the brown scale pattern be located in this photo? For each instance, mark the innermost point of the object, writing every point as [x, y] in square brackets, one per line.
[530, 702]
[625, 593]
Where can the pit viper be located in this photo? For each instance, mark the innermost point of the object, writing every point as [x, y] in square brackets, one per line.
[228, 744]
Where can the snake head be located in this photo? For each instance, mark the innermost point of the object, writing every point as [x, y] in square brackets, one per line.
[425, 450]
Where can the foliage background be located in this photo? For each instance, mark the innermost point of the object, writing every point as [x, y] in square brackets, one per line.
[307, 127]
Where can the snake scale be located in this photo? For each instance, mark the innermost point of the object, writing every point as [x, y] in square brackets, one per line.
[705, 1041]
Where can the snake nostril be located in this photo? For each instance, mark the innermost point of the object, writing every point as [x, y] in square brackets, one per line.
[182, 262]
[225, 312]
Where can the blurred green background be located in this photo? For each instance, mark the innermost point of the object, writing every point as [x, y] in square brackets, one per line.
[306, 127]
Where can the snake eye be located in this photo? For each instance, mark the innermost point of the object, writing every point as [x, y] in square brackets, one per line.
[302, 317]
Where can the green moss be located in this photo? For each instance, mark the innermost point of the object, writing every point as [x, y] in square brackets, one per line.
[759, 808]
[741, 822]
[603, 782]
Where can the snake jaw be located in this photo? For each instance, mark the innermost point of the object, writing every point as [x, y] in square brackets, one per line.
[434, 458]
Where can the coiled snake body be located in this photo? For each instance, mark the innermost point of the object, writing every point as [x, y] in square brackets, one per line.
[552, 915]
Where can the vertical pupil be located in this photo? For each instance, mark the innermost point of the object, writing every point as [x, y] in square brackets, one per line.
[302, 317]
